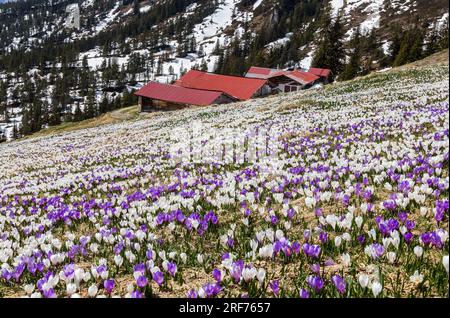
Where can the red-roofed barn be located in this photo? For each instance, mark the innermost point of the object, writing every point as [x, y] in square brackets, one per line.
[323, 73]
[284, 81]
[240, 88]
[157, 96]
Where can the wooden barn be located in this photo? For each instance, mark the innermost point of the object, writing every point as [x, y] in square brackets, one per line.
[238, 87]
[284, 81]
[323, 73]
[157, 96]
[292, 81]
[198, 88]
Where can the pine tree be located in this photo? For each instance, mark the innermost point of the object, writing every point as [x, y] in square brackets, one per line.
[443, 36]
[25, 128]
[330, 52]
[78, 114]
[136, 8]
[90, 105]
[351, 69]
[432, 42]
[55, 113]
[3, 100]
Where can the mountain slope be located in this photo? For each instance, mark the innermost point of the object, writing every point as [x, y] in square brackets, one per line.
[77, 53]
[231, 200]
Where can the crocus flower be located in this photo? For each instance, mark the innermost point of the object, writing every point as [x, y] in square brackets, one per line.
[158, 277]
[315, 282]
[142, 281]
[109, 285]
[445, 263]
[339, 282]
[275, 286]
[304, 293]
[217, 274]
[172, 268]
[376, 288]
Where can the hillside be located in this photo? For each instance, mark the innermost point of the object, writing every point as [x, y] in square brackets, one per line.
[337, 192]
[65, 61]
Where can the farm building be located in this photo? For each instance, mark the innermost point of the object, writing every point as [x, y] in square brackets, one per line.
[198, 88]
[240, 88]
[157, 96]
[323, 73]
[284, 81]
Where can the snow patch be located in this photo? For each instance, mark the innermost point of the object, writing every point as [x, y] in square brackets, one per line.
[257, 4]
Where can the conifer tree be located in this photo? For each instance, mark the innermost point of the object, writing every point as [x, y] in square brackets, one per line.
[78, 114]
[90, 105]
[55, 113]
[330, 52]
[351, 69]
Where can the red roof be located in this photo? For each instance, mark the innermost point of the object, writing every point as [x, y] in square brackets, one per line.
[298, 76]
[304, 77]
[238, 87]
[259, 70]
[323, 72]
[177, 94]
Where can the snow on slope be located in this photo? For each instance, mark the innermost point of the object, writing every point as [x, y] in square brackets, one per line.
[257, 4]
[212, 27]
[336, 5]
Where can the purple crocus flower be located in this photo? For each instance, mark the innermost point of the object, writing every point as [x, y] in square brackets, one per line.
[318, 212]
[172, 268]
[142, 281]
[311, 250]
[49, 293]
[378, 248]
[408, 237]
[109, 285]
[217, 274]
[212, 290]
[304, 293]
[361, 239]
[315, 268]
[339, 282]
[296, 247]
[192, 293]
[274, 219]
[275, 286]
[315, 282]
[323, 237]
[137, 294]
[236, 270]
[158, 277]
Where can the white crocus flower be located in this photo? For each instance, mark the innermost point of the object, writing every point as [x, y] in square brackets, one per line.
[183, 257]
[346, 260]
[71, 289]
[92, 290]
[391, 256]
[337, 241]
[29, 288]
[261, 275]
[376, 288]
[418, 251]
[445, 262]
[249, 274]
[363, 280]
[416, 278]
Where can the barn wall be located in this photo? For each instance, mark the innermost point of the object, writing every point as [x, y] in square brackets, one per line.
[148, 105]
[224, 99]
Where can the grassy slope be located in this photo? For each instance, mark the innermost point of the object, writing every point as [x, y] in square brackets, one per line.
[131, 113]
